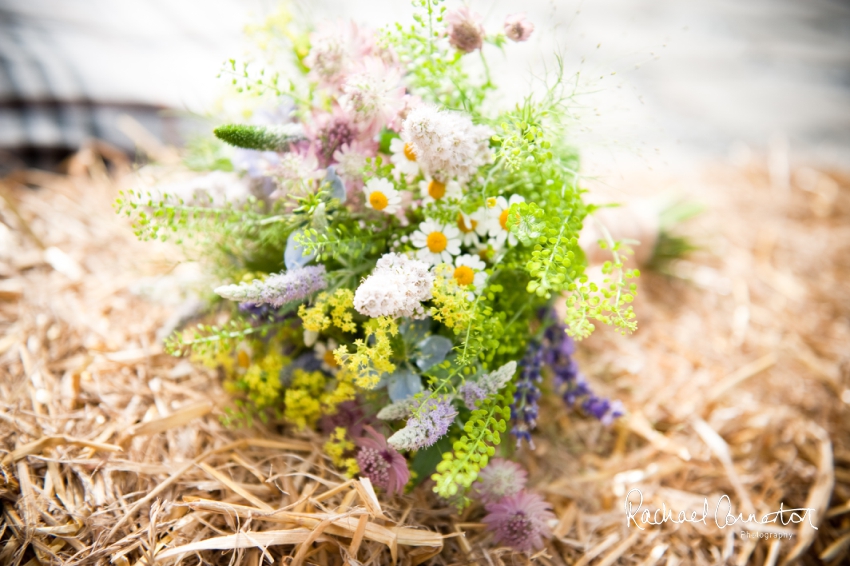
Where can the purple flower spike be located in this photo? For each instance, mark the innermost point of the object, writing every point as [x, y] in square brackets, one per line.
[525, 408]
[431, 421]
[558, 349]
[280, 288]
[471, 393]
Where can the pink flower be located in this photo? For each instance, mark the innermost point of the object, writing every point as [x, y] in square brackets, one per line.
[372, 94]
[517, 27]
[351, 160]
[465, 30]
[499, 479]
[384, 467]
[334, 49]
[329, 132]
[520, 521]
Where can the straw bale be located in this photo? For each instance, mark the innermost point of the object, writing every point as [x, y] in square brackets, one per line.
[736, 383]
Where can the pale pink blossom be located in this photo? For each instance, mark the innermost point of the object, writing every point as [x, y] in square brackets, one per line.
[517, 27]
[520, 521]
[385, 468]
[465, 30]
[372, 94]
[335, 48]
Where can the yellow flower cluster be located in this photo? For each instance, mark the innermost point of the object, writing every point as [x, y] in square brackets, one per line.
[451, 306]
[341, 306]
[344, 391]
[303, 398]
[336, 447]
[369, 363]
[262, 380]
[307, 397]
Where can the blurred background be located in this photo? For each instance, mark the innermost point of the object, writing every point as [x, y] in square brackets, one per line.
[664, 82]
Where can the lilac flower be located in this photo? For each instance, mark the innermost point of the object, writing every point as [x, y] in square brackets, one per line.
[431, 421]
[488, 384]
[465, 30]
[385, 468]
[520, 521]
[517, 27]
[280, 288]
[471, 393]
[499, 479]
[525, 408]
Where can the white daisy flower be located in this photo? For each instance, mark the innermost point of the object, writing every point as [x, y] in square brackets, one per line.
[403, 158]
[497, 226]
[437, 242]
[434, 190]
[324, 352]
[381, 195]
[472, 226]
[469, 270]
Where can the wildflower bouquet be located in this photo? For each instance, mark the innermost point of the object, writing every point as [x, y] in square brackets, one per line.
[394, 263]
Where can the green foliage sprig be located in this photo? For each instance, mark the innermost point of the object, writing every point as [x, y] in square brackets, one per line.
[436, 71]
[471, 452]
[210, 340]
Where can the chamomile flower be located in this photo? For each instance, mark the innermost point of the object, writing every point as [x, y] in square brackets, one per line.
[404, 158]
[381, 195]
[437, 242]
[324, 352]
[498, 220]
[469, 270]
[434, 190]
[472, 226]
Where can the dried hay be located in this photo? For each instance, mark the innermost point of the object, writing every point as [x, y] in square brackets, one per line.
[112, 452]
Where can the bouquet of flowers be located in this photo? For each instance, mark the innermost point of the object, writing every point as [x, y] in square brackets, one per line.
[392, 263]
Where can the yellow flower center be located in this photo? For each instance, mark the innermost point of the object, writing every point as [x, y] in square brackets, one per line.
[503, 219]
[461, 223]
[378, 200]
[409, 153]
[464, 275]
[329, 359]
[491, 202]
[436, 189]
[437, 242]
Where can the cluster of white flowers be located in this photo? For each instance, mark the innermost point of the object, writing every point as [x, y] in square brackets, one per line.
[396, 288]
[446, 144]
